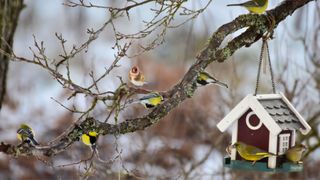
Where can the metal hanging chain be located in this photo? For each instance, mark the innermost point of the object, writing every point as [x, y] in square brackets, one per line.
[259, 69]
[270, 68]
[264, 45]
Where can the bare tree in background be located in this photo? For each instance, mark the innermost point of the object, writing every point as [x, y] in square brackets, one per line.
[9, 13]
[182, 134]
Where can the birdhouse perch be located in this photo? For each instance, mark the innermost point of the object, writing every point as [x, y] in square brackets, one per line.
[268, 122]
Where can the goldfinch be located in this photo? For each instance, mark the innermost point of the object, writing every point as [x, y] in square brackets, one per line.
[251, 153]
[136, 76]
[26, 135]
[295, 153]
[90, 139]
[254, 6]
[205, 78]
[151, 100]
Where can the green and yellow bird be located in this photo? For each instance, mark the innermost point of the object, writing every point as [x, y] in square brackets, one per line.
[205, 78]
[254, 6]
[151, 100]
[251, 153]
[26, 135]
[90, 139]
[295, 153]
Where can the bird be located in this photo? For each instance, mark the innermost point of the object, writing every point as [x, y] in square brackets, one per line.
[205, 78]
[254, 6]
[26, 135]
[251, 153]
[136, 76]
[90, 139]
[151, 100]
[295, 153]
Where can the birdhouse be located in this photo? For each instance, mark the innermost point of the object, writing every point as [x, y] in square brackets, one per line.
[266, 121]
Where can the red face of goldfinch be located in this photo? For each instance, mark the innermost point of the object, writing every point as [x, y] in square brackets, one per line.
[136, 76]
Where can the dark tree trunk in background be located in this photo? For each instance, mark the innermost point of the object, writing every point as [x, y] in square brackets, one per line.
[9, 13]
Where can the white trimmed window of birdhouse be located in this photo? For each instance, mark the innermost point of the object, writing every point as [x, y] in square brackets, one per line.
[284, 143]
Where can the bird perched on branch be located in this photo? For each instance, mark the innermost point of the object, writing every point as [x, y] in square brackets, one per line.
[205, 78]
[136, 76]
[90, 139]
[295, 153]
[26, 135]
[254, 6]
[251, 153]
[151, 100]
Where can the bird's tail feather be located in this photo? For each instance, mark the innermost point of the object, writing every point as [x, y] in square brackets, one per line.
[270, 155]
[134, 101]
[34, 141]
[241, 4]
[266, 154]
[222, 84]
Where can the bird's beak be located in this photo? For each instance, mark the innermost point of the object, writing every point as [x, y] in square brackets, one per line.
[304, 148]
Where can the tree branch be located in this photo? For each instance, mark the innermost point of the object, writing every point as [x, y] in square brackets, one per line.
[257, 26]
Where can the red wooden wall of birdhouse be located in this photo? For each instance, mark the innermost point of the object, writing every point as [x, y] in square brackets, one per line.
[253, 132]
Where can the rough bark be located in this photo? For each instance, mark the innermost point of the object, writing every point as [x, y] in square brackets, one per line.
[257, 26]
[9, 14]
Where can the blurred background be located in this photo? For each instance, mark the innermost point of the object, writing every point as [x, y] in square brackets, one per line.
[185, 144]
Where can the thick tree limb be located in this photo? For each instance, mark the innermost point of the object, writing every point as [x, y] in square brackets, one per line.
[257, 26]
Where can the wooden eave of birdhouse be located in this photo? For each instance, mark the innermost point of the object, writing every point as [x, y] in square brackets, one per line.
[274, 110]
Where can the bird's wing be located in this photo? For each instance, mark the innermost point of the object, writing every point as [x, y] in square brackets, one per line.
[262, 153]
[155, 101]
[256, 151]
[251, 4]
[209, 76]
[149, 96]
[214, 80]
[144, 98]
[25, 132]
[30, 132]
